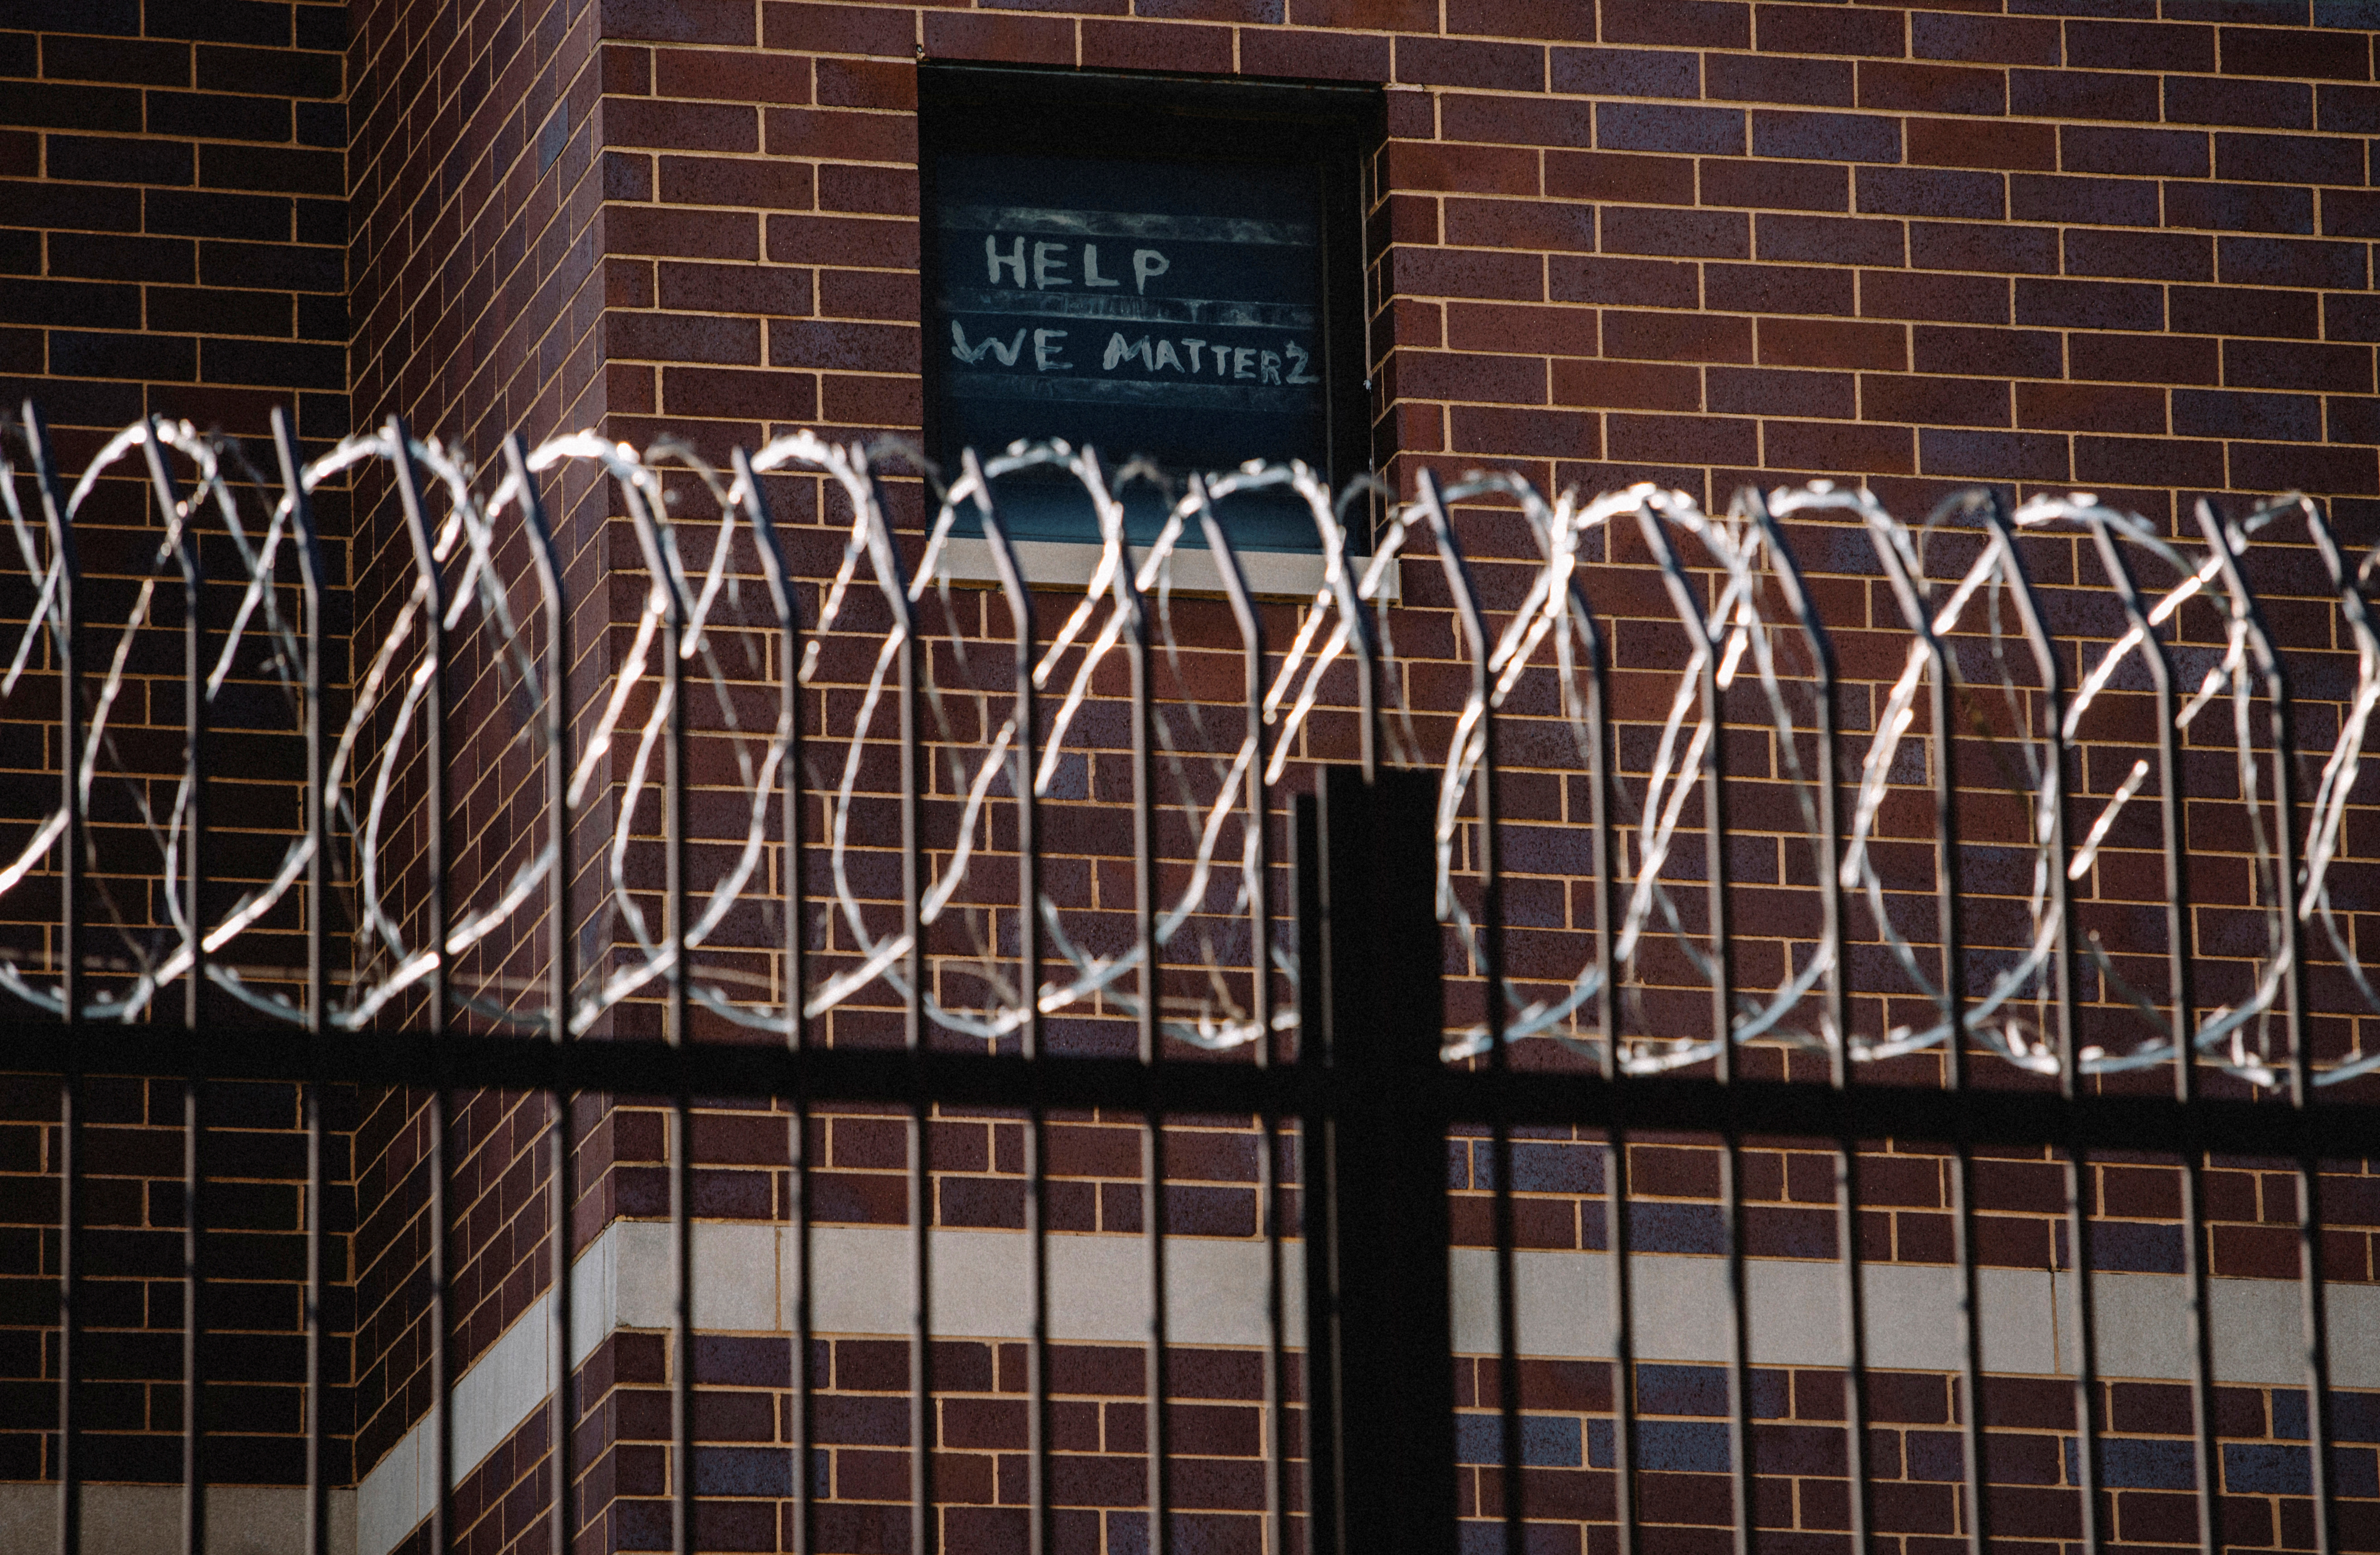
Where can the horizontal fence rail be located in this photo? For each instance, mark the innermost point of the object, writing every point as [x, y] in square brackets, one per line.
[617, 772]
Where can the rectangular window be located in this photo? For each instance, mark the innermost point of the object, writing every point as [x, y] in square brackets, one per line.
[1160, 269]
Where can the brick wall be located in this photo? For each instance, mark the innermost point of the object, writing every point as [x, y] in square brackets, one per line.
[253, 1156]
[475, 224]
[474, 217]
[172, 223]
[1699, 243]
[1802, 1497]
[174, 215]
[2114, 247]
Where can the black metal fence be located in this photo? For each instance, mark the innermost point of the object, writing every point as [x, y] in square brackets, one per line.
[859, 948]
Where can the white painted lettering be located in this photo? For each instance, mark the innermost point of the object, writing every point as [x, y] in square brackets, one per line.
[1046, 270]
[1196, 347]
[995, 260]
[1298, 361]
[1091, 277]
[1243, 358]
[1121, 350]
[1147, 265]
[1268, 366]
[1046, 356]
[966, 353]
[1165, 357]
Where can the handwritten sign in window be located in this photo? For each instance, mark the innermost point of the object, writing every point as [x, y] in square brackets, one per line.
[1169, 310]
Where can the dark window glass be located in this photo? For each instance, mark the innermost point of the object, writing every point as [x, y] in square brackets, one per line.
[1161, 270]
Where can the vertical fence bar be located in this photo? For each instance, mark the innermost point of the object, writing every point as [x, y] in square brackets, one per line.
[2181, 980]
[924, 1522]
[194, 714]
[194, 1486]
[191, 864]
[1324, 1531]
[60, 533]
[2248, 619]
[1730, 1161]
[1602, 821]
[1963, 1226]
[2309, 1163]
[1378, 1301]
[431, 585]
[72, 842]
[1040, 1528]
[1259, 866]
[1492, 969]
[1710, 637]
[1962, 1236]
[892, 581]
[561, 978]
[2357, 609]
[659, 544]
[2181, 977]
[2172, 815]
[789, 714]
[675, 784]
[1152, 995]
[1941, 690]
[312, 581]
[1824, 698]
[2049, 832]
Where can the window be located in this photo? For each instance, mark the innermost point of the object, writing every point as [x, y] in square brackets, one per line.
[1161, 269]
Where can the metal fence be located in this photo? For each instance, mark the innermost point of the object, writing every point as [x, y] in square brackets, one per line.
[794, 830]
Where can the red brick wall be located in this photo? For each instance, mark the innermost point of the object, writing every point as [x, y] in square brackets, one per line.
[475, 217]
[171, 230]
[1688, 241]
[172, 214]
[1698, 243]
[253, 1153]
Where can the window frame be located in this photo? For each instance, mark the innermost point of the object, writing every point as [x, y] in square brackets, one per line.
[1333, 129]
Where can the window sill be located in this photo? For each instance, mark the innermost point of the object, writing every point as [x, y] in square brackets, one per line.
[1272, 575]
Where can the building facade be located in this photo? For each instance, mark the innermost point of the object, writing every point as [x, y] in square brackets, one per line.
[2122, 246]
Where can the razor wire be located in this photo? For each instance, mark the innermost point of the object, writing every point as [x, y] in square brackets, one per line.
[1741, 614]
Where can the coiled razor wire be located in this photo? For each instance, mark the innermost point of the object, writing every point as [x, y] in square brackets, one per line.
[1732, 584]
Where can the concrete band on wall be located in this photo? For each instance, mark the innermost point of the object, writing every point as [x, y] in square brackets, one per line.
[747, 1277]
[241, 1519]
[745, 1280]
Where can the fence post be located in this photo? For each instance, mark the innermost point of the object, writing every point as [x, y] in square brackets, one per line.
[1380, 1345]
